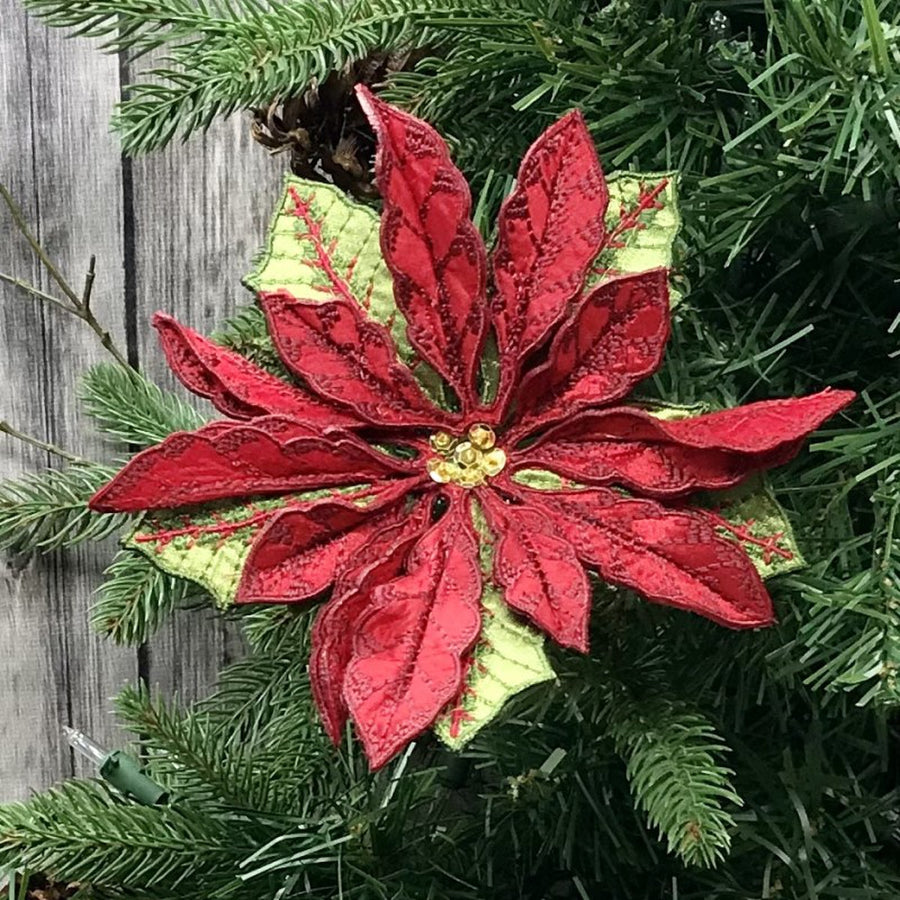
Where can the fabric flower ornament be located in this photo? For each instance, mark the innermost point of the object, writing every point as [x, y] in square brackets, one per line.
[387, 464]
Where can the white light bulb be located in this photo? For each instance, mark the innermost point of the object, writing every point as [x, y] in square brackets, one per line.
[82, 744]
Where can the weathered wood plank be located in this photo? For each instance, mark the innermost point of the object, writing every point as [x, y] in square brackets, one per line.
[57, 155]
[200, 211]
[196, 215]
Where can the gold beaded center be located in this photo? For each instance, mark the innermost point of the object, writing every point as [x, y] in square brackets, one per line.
[469, 461]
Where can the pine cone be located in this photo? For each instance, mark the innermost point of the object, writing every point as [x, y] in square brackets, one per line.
[324, 127]
[40, 887]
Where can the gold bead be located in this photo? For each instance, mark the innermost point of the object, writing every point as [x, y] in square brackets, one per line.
[492, 463]
[482, 437]
[469, 478]
[465, 454]
[440, 470]
[441, 442]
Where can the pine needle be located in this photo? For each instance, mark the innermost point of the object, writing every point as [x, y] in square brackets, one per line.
[132, 409]
[47, 511]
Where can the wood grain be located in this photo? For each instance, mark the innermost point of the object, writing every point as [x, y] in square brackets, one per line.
[172, 231]
[201, 211]
[61, 163]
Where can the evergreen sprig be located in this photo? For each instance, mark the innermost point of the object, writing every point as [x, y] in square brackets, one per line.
[197, 763]
[83, 830]
[129, 407]
[136, 597]
[247, 333]
[49, 510]
[672, 754]
[223, 57]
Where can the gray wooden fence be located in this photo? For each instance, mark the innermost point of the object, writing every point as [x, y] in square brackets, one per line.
[172, 231]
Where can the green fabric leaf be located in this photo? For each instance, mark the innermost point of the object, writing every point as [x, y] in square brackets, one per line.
[508, 658]
[750, 515]
[542, 480]
[317, 229]
[642, 220]
[209, 545]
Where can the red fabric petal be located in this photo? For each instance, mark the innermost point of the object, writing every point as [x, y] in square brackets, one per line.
[346, 356]
[633, 449]
[539, 571]
[408, 653]
[674, 557]
[752, 428]
[235, 385]
[301, 551]
[381, 559]
[430, 245]
[655, 469]
[614, 340]
[550, 229]
[272, 455]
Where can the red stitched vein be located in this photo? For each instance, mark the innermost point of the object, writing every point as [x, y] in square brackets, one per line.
[451, 333]
[302, 210]
[628, 220]
[767, 543]
[459, 714]
[224, 528]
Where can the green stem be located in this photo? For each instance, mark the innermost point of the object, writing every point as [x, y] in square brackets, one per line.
[35, 292]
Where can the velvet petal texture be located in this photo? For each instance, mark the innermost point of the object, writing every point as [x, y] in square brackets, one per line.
[349, 359]
[671, 556]
[611, 342]
[539, 570]
[434, 252]
[379, 560]
[645, 454]
[219, 462]
[408, 650]
[235, 385]
[549, 232]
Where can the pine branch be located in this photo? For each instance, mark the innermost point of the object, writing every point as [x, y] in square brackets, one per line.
[249, 758]
[133, 25]
[672, 756]
[136, 598]
[129, 407]
[80, 831]
[197, 764]
[849, 641]
[247, 333]
[49, 510]
[223, 57]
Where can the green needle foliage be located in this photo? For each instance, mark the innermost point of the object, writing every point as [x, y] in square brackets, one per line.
[262, 804]
[127, 406]
[678, 761]
[81, 827]
[136, 598]
[672, 754]
[49, 510]
[229, 56]
[246, 332]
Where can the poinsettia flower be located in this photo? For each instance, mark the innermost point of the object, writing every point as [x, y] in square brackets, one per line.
[403, 478]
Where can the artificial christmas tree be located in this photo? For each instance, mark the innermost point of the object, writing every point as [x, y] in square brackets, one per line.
[764, 760]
